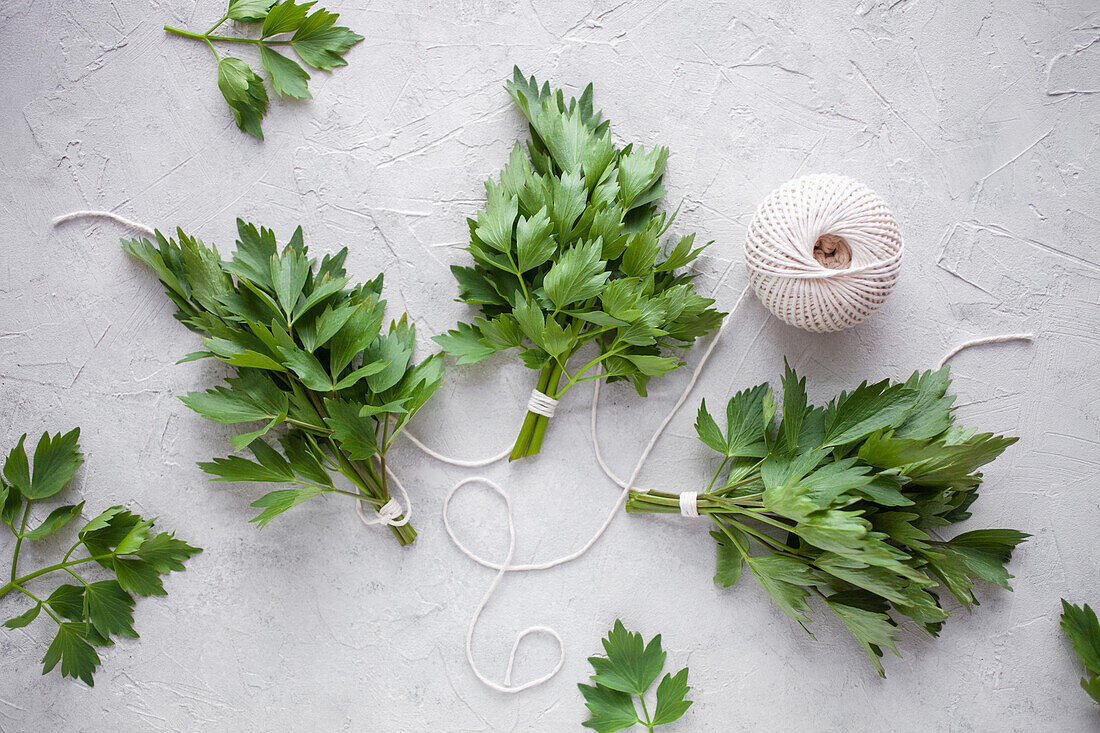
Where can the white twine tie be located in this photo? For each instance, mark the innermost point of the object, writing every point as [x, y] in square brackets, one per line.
[390, 513]
[541, 404]
[823, 252]
[689, 504]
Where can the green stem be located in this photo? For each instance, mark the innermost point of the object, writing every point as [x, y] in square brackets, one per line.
[717, 473]
[543, 422]
[16, 582]
[216, 25]
[524, 438]
[368, 477]
[228, 39]
[19, 539]
[647, 722]
[40, 602]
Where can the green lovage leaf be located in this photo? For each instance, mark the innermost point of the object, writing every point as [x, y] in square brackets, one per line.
[841, 501]
[630, 669]
[120, 542]
[56, 459]
[312, 361]
[315, 37]
[249, 11]
[1083, 629]
[567, 255]
[244, 92]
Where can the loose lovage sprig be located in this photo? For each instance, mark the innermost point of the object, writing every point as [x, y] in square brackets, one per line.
[567, 253]
[310, 355]
[87, 613]
[838, 501]
[1083, 630]
[630, 668]
[318, 41]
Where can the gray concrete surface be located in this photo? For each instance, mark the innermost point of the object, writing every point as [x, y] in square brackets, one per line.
[976, 121]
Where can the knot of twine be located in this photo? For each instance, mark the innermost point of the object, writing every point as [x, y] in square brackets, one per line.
[689, 504]
[541, 404]
[823, 252]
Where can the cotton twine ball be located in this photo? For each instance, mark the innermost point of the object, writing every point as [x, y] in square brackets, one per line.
[823, 252]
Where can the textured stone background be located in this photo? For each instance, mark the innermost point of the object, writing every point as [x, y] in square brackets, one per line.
[977, 122]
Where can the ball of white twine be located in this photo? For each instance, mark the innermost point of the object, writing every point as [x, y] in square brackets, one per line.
[823, 252]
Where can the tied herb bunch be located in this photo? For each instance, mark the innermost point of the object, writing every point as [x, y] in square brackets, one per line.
[567, 253]
[315, 37]
[88, 612]
[841, 502]
[310, 355]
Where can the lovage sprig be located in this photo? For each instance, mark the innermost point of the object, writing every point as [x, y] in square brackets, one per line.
[311, 359]
[122, 544]
[567, 257]
[843, 501]
[315, 37]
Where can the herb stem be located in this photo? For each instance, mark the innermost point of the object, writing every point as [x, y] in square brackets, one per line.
[19, 539]
[215, 26]
[15, 583]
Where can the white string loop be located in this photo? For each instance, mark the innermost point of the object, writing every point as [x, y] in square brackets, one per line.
[502, 568]
[689, 503]
[823, 252]
[91, 214]
[541, 404]
[1005, 338]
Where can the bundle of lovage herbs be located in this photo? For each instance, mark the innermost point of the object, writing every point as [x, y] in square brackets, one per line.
[311, 356]
[567, 254]
[844, 502]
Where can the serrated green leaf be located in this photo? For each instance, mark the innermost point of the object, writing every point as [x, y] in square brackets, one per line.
[56, 459]
[577, 275]
[110, 609]
[287, 77]
[611, 710]
[671, 704]
[321, 43]
[56, 519]
[139, 577]
[284, 17]
[631, 665]
[78, 659]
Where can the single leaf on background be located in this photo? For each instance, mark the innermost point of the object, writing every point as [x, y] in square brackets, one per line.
[611, 710]
[671, 704]
[24, 618]
[109, 609]
[287, 77]
[277, 502]
[321, 43]
[630, 665]
[57, 519]
[249, 11]
[244, 93]
[630, 668]
[56, 459]
[78, 659]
